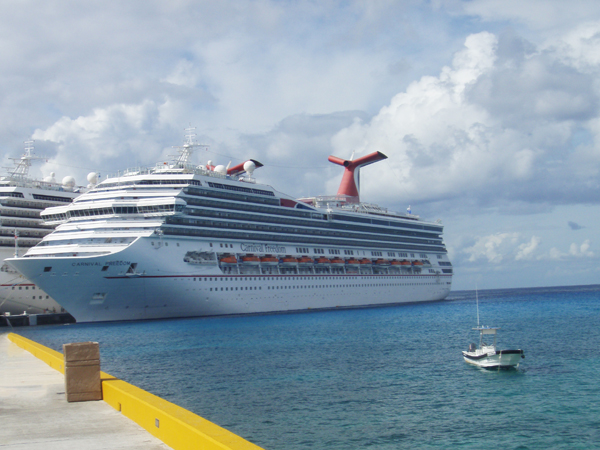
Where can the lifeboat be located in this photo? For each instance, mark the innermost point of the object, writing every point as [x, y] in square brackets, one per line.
[366, 261]
[353, 262]
[417, 264]
[337, 262]
[228, 259]
[405, 264]
[250, 259]
[269, 260]
[395, 262]
[288, 261]
[323, 260]
[305, 261]
[382, 262]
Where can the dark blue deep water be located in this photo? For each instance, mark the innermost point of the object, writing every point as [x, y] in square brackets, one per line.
[380, 378]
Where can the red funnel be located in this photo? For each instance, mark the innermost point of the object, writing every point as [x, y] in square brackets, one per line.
[349, 184]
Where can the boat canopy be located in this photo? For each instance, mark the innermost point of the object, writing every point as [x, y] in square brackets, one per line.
[487, 330]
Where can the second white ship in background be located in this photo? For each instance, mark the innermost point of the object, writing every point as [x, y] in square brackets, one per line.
[180, 240]
[21, 201]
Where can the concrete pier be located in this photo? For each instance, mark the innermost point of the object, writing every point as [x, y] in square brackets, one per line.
[34, 413]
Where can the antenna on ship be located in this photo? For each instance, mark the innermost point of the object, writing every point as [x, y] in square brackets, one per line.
[186, 150]
[20, 171]
[16, 243]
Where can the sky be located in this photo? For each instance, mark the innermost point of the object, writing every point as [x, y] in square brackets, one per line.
[488, 110]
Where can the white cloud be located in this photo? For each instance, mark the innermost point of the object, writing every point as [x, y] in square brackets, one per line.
[579, 47]
[500, 247]
[576, 251]
[495, 248]
[431, 126]
[184, 74]
[527, 249]
[486, 108]
[501, 124]
[119, 134]
[582, 250]
[541, 15]
[232, 67]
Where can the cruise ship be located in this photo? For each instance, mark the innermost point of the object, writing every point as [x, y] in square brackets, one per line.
[22, 199]
[184, 240]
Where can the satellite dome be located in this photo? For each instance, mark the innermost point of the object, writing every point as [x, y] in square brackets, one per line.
[249, 167]
[92, 178]
[221, 169]
[50, 178]
[68, 181]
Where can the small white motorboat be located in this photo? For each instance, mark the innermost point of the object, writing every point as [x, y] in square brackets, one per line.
[486, 354]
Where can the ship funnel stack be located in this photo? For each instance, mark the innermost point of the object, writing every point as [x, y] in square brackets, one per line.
[245, 167]
[349, 187]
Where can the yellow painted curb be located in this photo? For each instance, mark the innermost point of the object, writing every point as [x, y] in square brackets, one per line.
[177, 427]
[51, 357]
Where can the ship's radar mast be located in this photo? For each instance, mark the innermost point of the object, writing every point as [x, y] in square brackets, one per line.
[187, 149]
[20, 171]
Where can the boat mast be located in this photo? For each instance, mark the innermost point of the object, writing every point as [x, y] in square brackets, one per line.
[480, 330]
[477, 301]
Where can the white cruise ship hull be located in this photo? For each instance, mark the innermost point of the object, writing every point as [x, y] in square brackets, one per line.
[22, 199]
[19, 295]
[165, 284]
[185, 240]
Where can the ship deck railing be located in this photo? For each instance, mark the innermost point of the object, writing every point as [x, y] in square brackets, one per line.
[174, 169]
[31, 183]
[348, 203]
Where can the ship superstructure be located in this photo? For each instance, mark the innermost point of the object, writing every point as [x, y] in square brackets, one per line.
[22, 199]
[179, 240]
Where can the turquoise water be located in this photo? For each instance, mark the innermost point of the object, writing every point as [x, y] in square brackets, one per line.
[380, 378]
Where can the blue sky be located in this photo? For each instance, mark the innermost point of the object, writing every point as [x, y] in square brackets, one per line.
[487, 109]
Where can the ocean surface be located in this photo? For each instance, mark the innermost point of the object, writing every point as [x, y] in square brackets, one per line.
[377, 378]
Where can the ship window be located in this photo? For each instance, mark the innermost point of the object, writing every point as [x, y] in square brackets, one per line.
[47, 269]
